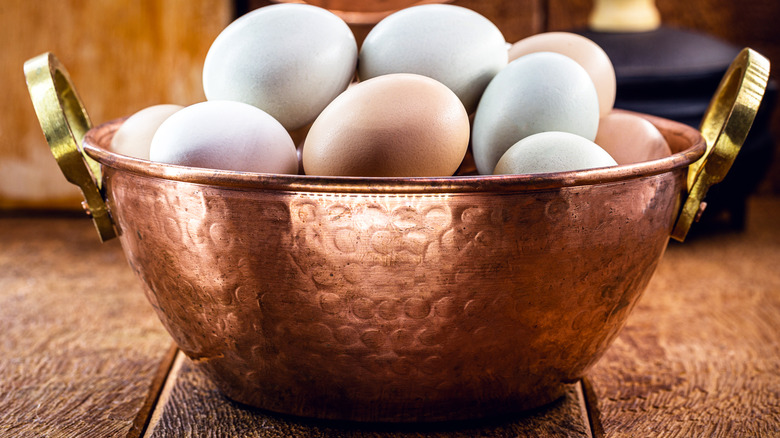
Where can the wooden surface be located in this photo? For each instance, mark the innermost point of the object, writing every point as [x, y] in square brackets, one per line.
[82, 353]
[123, 55]
[700, 355]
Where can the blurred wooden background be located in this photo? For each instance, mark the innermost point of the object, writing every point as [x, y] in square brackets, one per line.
[124, 55]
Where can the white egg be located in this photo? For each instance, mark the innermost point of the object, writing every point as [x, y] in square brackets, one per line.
[225, 135]
[454, 45]
[587, 53]
[134, 137]
[290, 60]
[535, 93]
[552, 152]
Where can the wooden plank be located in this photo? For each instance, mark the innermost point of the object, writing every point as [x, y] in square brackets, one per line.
[192, 406]
[144, 413]
[700, 354]
[82, 353]
[123, 55]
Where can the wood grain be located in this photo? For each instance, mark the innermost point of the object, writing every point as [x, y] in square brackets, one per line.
[700, 354]
[123, 55]
[192, 406]
[80, 348]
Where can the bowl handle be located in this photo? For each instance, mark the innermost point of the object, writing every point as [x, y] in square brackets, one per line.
[725, 126]
[64, 122]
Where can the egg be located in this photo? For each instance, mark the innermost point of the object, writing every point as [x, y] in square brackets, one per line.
[395, 125]
[290, 60]
[631, 139]
[225, 135]
[581, 49]
[552, 152]
[454, 45]
[134, 136]
[535, 93]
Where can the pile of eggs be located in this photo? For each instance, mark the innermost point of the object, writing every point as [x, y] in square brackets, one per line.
[429, 83]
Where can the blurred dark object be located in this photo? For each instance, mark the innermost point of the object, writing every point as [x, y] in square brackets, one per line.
[673, 73]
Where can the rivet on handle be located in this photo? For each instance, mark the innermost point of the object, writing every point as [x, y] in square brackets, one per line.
[725, 126]
[64, 122]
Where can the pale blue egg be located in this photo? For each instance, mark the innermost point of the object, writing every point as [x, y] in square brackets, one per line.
[552, 151]
[535, 93]
[454, 45]
[290, 60]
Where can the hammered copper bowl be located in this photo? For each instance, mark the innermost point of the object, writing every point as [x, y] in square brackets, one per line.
[381, 299]
[394, 299]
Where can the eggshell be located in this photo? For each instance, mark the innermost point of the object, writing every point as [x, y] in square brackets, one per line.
[225, 135]
[552, 152]
[454, 45]
[134, 137]
[535, 93]
[631, 139]
[581, 49]
[289, 60]
[402, 125]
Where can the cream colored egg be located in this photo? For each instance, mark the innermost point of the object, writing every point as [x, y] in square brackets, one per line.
[454, 45]
[134, 137]
[290, 60]
[631, 139]
[552, 152]
[225, 135]
[535, 93]
[397, 125]
[581, 49]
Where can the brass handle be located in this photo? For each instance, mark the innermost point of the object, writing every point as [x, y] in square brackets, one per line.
[64, 122]
[725, 126]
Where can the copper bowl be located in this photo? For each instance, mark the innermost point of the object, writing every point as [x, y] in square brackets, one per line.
[392, 299]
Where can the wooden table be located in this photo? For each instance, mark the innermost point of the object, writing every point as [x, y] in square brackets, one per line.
[82, 353]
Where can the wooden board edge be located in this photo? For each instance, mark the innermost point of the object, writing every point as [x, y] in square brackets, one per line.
[156, 389]
[590, 407]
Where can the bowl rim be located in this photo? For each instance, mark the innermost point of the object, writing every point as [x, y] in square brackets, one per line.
[97, 139]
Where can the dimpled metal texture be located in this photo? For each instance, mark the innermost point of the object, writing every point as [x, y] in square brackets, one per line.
[372, 304]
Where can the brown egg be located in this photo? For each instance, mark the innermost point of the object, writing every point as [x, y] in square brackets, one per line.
[401, 125]
[631, 139]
